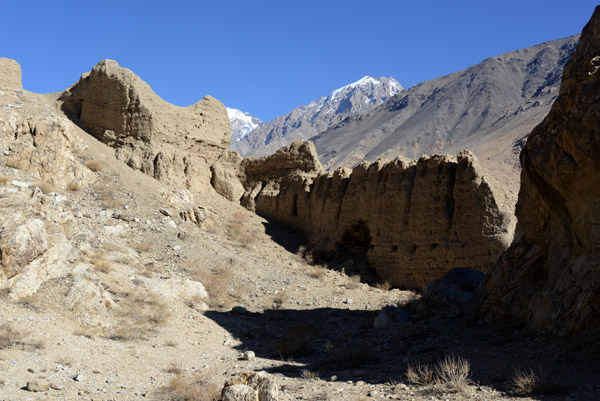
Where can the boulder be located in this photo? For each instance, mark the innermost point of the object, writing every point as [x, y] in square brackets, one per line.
[21, 244]
[10, 74]
[263, 386]
[549, 278]
[226, 176]
[173, 144]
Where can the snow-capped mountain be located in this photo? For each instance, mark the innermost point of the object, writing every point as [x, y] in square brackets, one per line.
[309, 120]
[241, 123]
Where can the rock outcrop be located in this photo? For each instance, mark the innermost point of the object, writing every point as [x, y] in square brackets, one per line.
[170, 143]
[550, 276]
[10, 74]
[414, 220]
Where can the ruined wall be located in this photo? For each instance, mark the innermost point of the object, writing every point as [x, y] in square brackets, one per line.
[549, 278]
[170, 143]
[415, 220]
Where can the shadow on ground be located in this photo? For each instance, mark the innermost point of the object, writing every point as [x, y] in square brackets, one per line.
[343, 343]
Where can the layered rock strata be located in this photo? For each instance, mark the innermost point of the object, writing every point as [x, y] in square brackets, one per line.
[414, 220]
[549, 278]
[170, 143]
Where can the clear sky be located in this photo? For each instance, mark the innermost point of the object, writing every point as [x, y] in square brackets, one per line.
[268, 57]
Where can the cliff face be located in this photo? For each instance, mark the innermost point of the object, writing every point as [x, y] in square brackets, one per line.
[550, 277]
[414, 220]
[172, 144]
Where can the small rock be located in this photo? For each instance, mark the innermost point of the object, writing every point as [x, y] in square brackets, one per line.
[249, 356]
[372, 393]
[78, 377]
[176, 247]
[166, 212]
[38, 385]
[333, 378]
[239, 310]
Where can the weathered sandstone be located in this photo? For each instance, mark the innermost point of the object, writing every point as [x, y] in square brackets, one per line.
[550, 276]
[414, 220]
[173, 144]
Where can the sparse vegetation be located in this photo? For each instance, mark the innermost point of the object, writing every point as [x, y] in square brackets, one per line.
[16, 162]
[94, 165]
[449, 374]
[46, 187]
[198, 388]
[14, 338]
[309, 374]
[138, 313]
[4, 179]
[298, 341]
[240, 231]
[280, 298]
[73, 186]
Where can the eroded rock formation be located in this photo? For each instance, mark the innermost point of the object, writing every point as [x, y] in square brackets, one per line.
[414, 220]
[550, 276]
[172, 144]
[10, 74]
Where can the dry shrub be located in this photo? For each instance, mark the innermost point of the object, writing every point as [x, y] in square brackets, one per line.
[138, 313]
[298, 341]
[453, 373]
[141, 246]
[4, 179]
[280, 298]
[420, 373]
[46, 187]
[16, 162]
[345, 353]
[316, 271]
[73, 186]
[309, 374]
[384, 286]
[353, 282]
[198, 388]
[13, 338]
[101, 264]
[94, 165]
[240, 231]
[174, 369]
[526, 383]
[223, 290]
[449, 374]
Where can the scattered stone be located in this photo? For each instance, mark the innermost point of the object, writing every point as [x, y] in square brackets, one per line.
[166, 212]
[249, 356]
[79, 377]
[239, 392]
[37, 385]
[239, 310]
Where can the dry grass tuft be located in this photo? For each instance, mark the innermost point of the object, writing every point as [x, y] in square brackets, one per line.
[316, 271]
[4, 179]
[13, 338]
[240, 231]
[453, 373]
[345, 353]
[223, 290]
[450, 374]
[141, 246]
[384, 286]
[524, 382]
[174, 369]
[198, 388]
[280, 298]
[353, 282]
[73, 186]
[46, 187]
[16, 162]
[138, 313]
[420, 373]
[309, 374]
[298, 341]
[94, 165]
[101, 264]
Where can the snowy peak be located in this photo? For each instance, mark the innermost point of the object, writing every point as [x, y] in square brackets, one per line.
[366, 83]
[242, 123]
[311, 119]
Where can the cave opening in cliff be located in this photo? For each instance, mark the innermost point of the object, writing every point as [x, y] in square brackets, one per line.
[357, 239]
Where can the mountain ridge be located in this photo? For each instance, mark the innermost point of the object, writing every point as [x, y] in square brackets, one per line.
[308, 120]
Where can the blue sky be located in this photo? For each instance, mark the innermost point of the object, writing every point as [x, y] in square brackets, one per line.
[268, 57]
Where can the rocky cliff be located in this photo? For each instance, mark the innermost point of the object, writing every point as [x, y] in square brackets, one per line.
[172, 144]
[550, 276]
[414, 220]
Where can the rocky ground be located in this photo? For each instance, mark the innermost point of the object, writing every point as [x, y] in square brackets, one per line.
[121, 315]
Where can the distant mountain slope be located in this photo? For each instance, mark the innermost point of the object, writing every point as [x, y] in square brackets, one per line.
[307, 121]
[242, 123]
[487, 108]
